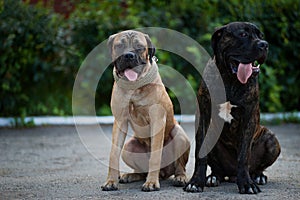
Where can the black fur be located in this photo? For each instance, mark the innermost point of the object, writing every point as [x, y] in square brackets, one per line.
[245, 149]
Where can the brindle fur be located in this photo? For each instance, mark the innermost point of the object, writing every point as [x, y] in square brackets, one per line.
[245, 148]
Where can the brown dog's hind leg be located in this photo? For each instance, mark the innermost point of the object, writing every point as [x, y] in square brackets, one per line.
[136, 156]
[265, 151]
[181, 150]
[174, 158]
[132, 177]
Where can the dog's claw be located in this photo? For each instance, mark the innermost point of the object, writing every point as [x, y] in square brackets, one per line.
[123, 181]
[125, 178]
[150, 186]
[256, 190]
[249, 189]
[212, 181]
[192, 188]
[109, 186]
[179, 181]
[261, 179]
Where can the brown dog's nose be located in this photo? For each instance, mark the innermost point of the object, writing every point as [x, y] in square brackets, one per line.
[264, 45]
[129, 56]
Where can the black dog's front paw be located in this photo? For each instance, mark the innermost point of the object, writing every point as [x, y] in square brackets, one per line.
[194, 185]
[247, 186]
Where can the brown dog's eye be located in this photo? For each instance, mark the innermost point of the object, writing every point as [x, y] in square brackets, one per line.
[140, 47]
[119, 46]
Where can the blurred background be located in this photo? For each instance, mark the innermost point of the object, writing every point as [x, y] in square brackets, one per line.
[44, 42]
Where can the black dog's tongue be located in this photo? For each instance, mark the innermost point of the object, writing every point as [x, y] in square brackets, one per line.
[244, 72]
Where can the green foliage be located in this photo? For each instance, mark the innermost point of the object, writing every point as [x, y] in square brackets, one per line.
[41, 52]
[279, 80]
[34, 73]
[20, 122]
[281, 119]
[270, 90]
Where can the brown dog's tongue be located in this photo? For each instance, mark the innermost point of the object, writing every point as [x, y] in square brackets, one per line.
[130, 74]
[244, 72]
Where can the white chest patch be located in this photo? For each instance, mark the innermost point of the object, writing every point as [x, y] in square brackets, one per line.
[225, 110]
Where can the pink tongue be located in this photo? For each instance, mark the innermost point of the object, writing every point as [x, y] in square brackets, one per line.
[130, 74]
[244, 72]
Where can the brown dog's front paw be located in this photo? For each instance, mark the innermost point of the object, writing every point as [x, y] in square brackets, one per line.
[150, 186]
[179, 180]
[110, 185]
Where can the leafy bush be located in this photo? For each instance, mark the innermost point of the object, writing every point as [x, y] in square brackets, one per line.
[41, 52]
[279, 80]
[34, 74]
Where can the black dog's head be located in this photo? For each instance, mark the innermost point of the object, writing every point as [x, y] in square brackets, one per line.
[239, 48]
[130, 51]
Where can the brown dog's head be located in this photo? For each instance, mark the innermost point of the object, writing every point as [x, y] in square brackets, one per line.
[130, 51]
[239, 49]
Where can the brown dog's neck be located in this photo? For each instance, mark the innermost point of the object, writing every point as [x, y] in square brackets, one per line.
[133, 85]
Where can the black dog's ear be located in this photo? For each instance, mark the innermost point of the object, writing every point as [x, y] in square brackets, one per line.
[110, 42]
[217, 35]
[151, 48]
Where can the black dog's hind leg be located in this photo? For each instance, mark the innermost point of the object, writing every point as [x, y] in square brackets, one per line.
[265, 151]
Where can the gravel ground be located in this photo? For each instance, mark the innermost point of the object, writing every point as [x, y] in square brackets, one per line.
[65, 162]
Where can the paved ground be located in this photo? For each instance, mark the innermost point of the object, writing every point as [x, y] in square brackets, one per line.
[53, 163]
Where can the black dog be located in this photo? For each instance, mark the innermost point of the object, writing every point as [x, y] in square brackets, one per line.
[245, 149]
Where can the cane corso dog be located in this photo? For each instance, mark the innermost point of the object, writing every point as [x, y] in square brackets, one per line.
[159, 147]
[245, 148]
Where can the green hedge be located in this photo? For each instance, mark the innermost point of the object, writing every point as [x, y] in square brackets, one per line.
[40, 52]
[36, 68]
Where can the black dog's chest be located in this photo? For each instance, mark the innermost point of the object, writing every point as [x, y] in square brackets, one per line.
[231, 129]
[243, 101]
[242, 94]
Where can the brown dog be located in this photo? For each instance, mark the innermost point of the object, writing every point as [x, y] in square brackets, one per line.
[159, 147]
[245, 148]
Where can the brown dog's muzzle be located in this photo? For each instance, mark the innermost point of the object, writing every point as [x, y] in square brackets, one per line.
[129, 60]
[130, 56]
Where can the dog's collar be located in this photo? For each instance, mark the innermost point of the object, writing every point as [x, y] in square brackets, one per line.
[133, 85]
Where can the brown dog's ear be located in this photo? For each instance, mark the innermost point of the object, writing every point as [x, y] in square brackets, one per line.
[110, 42]
[151, 48]
[217, 35]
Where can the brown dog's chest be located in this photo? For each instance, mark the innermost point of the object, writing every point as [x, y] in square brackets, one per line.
[139, 115]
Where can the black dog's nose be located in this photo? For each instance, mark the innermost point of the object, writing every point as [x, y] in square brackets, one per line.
[264, 45]
[129, 56]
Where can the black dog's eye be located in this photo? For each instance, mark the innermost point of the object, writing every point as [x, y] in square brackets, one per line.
[243, 34]
[261, 35]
